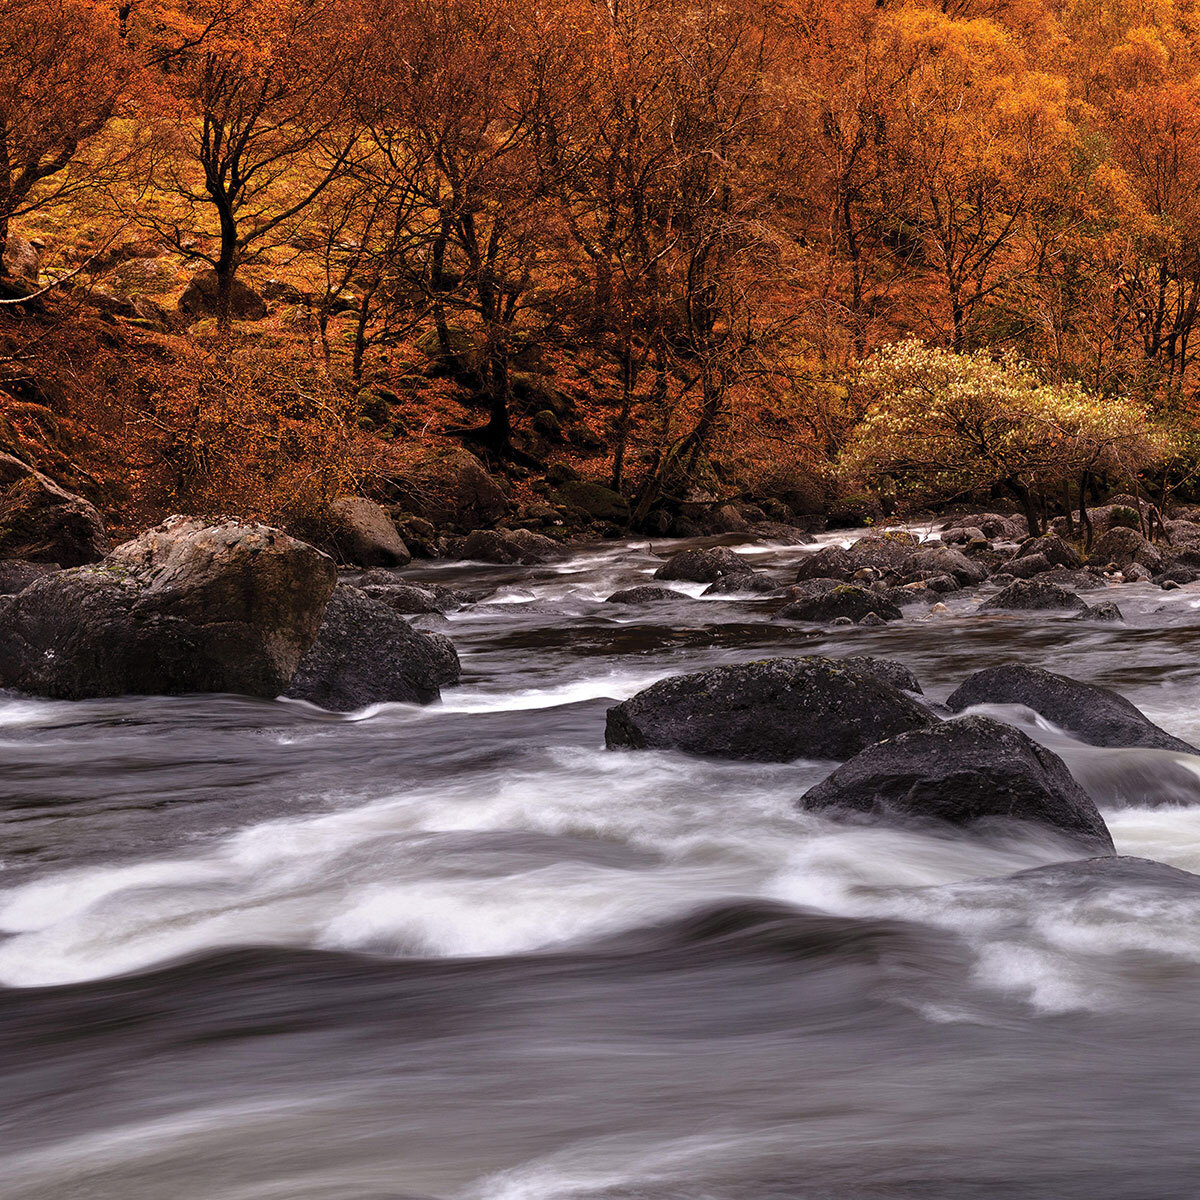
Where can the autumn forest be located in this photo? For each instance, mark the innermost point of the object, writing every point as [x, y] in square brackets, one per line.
[821, 256]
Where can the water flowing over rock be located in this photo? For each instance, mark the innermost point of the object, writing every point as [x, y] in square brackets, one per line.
[962, 772]
[644, 595]
[190, 606]
[771, 711]
[366, 653]
[1093, 714]
[42, 522]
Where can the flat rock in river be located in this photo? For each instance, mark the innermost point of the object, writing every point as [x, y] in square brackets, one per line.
[775, 710]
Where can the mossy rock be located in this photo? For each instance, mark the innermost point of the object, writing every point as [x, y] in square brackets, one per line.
[598, 502]
[535, 393]
[462, 349]
[547, 424]
[1123, 517]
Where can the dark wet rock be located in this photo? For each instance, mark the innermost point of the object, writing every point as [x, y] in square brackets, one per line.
[1093, 714]
[1105, 611]
[412, 598]
[846, 600]
[1028, 566]
[751, 582]
[991, 525]
[884, 553]
[1125, 547]
[42, 522]
[927, 561]
[647, 594]
[1056, 552]
[1077, 581]
[785, 535]
[962, 772]
[365, 653]
[1032, 595]
[942, 584]
[190, 606]
[963, 535]
[509, 546]
[1177, 573]
[17, 574]
[199, 299]
[776, 710]
[891, 672]
[702, 565]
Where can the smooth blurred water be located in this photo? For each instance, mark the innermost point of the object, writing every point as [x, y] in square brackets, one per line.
[254, 950]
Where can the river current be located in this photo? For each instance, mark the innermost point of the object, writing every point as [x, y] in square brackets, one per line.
[256, 951]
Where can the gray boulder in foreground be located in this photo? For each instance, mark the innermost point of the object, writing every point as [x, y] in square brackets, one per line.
[775, 710]
[1093, 714]
[962, 772]
[366, 653]
[189, 606]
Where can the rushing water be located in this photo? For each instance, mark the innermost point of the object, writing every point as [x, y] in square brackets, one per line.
[255, 951]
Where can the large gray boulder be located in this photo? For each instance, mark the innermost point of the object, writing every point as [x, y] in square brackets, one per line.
[366, 653]
[771, 711]
[1093, 714]
[190, 606]
[42, 522]
[962, 772]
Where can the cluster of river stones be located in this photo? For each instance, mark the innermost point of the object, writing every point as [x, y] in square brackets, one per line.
[223, 606]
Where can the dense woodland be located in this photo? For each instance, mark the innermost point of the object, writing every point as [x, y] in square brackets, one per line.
[833, 256]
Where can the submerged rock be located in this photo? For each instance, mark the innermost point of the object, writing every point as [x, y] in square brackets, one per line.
[1093, 714]
[190, 606]
[365, 653]
[647, 594]
[702, 565]
[775, 710]
[963, 772]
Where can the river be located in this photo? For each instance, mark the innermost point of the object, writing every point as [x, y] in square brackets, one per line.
[255, 951]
